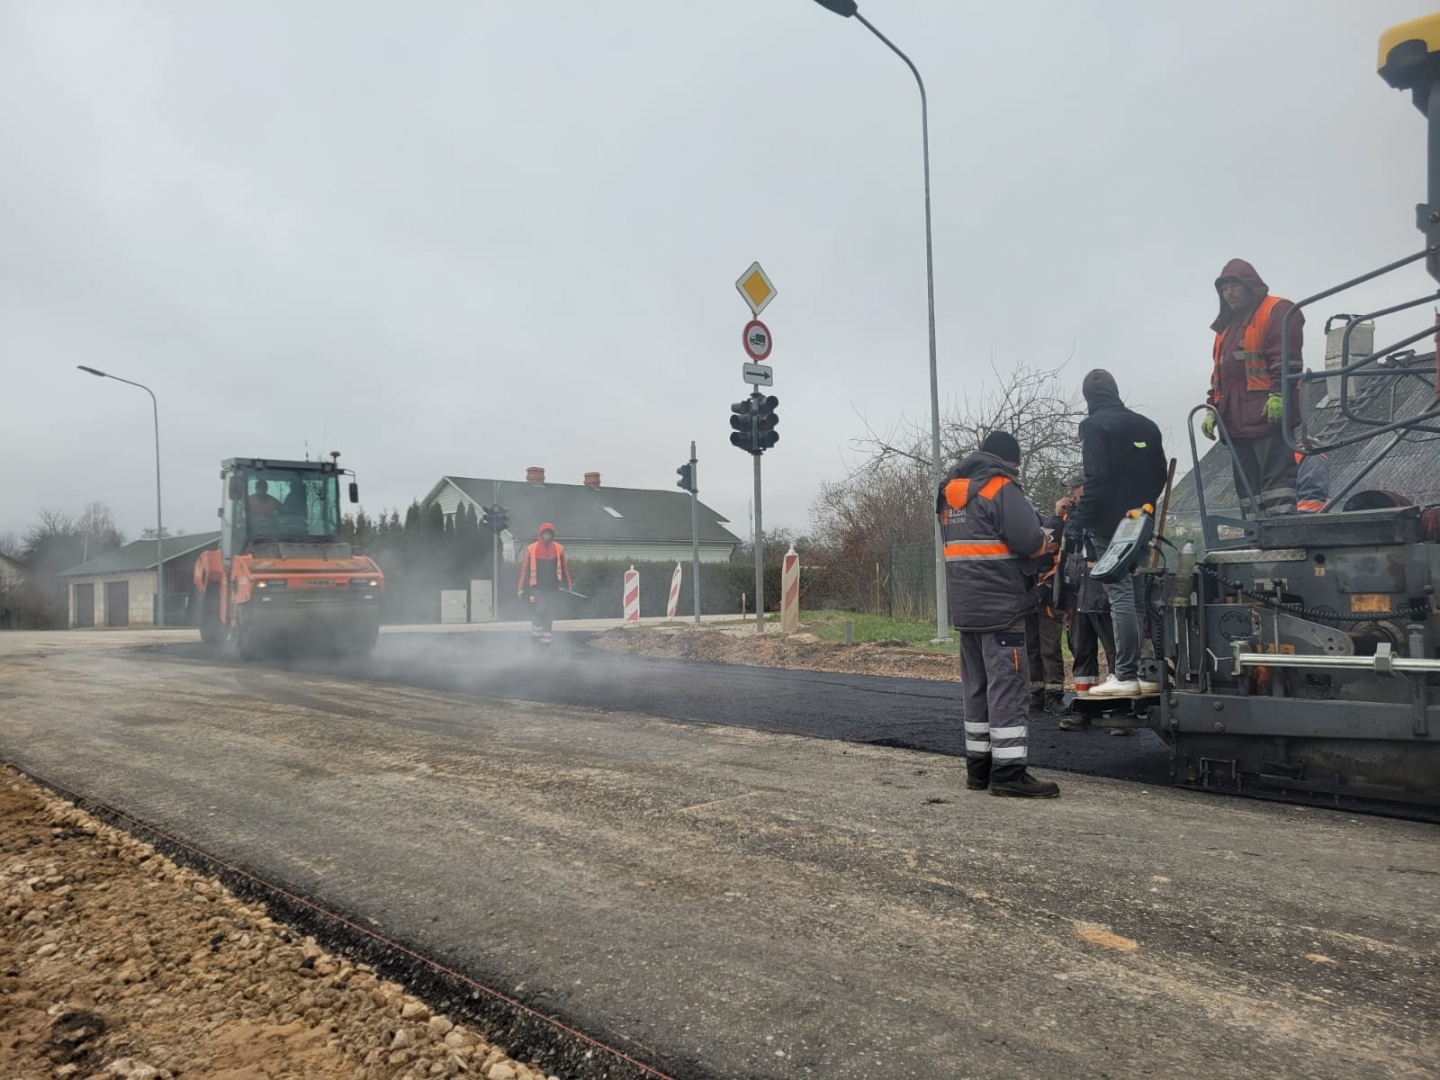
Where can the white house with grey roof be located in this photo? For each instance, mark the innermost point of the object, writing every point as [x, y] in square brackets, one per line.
[592, 521]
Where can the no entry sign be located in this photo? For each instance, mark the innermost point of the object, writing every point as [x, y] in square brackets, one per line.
[757, 340]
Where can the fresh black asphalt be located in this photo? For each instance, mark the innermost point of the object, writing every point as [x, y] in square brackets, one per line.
[916, 714]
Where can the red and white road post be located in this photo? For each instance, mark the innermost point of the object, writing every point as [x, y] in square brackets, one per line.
[674, 603]
[790, 593]
[632, 596]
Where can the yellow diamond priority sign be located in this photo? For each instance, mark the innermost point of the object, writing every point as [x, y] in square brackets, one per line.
[755, 287]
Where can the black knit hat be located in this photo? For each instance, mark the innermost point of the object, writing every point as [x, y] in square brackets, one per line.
[1002, 445]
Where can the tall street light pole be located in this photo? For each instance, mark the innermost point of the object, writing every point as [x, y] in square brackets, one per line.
[850, 9]
[159, 527]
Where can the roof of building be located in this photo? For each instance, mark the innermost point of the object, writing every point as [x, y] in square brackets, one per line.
[140, 555]
[580, 512]
[1412, 469]
[15, 564]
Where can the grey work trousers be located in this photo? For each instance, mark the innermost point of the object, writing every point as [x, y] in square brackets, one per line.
[1043, 640]
[542, 615]
[1125, 620]
[995, 689]
[1269, 466]
[1090, 631]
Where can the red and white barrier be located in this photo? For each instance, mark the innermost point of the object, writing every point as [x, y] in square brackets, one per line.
[674, 603]
[632, 595]
[790, 593]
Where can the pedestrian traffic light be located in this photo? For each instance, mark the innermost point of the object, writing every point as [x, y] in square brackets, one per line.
[765, 421]
[742, 420]
[686, 482]
[486, 521]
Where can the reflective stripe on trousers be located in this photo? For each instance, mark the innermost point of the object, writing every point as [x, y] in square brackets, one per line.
[995, 689]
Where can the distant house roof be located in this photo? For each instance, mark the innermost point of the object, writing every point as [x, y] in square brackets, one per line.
[12, 567]
[140, 555]
[580, 512]
[1412, 469]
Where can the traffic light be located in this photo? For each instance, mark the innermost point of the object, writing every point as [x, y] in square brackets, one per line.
[486, 522]
[742, 420]
[765, 421]
[686, 482]
[500, 518]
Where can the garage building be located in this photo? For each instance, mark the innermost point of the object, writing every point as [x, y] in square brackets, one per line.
[117, 589]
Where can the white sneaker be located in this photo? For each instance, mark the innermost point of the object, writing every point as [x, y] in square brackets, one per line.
[1116, 688]
[1147, 687]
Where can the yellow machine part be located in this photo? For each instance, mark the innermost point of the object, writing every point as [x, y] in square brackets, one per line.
[1409, 53]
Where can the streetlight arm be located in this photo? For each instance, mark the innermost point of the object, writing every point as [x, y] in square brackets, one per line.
[892, 47]
[849, 9]
[159, 519]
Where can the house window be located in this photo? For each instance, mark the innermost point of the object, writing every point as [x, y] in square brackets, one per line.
[613, 512]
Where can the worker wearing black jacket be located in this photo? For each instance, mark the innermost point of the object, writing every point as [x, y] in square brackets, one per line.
[1125, 469]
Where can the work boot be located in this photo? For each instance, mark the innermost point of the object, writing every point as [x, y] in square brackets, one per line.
[1025, 786]
[1055, 702]
[977, 777]
[1074, 723]
[1037, 700]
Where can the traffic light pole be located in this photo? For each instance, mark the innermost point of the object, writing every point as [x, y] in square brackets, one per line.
[759, 557]
[695, 533]
[495, 565]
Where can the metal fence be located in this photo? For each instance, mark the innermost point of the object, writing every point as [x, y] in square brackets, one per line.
[907, 583]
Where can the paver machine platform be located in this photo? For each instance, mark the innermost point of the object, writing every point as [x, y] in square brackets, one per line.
[282, 582]
[1299, 654]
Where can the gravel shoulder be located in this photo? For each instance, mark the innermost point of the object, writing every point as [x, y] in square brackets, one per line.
[117, 964]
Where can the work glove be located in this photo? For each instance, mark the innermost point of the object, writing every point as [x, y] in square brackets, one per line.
[1207, 426]
[1274, 408]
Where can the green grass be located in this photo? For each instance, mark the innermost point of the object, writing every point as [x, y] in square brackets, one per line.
[830, 626]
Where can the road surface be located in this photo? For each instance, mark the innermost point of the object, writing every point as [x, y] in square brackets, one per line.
[746, 901]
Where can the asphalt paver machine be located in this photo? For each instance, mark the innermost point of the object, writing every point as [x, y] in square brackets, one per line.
[1299, 654]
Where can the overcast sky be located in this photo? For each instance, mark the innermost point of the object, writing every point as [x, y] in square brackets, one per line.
[458, 237]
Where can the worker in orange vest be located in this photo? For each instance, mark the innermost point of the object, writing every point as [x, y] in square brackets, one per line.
[1245, 388]
[544, 571]
[1312, 479]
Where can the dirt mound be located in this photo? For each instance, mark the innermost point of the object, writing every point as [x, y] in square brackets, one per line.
[804, 651]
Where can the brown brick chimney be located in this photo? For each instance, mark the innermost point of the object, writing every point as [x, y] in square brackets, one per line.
[535, 475]
[592, 479]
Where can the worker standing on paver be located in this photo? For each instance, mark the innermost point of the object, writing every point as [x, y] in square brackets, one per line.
[1125, 470]
[1045, 626]
[1246, 385]
[1312, 479]
[992, 533]
[1088, 609]
[544, 571]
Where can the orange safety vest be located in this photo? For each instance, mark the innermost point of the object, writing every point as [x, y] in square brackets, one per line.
[1252, 351]
[957, 495]
[534, 563]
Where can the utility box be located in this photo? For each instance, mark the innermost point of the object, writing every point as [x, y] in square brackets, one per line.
[480, 610]
[453, 608]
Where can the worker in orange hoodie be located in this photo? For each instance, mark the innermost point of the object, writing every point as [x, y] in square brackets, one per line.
[1246, 385]
[544, 571]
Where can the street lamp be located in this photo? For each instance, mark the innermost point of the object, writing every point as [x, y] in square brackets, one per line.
[850, 9]
[159, 528]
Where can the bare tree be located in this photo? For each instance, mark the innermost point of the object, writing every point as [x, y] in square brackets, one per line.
[875, 527]
[1033, 404]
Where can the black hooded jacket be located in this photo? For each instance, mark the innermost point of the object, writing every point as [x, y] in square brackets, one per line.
[1124, 463]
